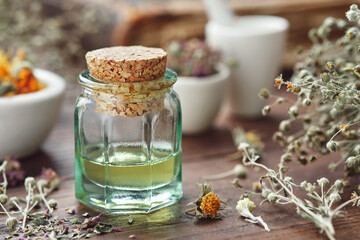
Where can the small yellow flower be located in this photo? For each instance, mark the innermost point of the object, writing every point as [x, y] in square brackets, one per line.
[353, 196]
[210, 204]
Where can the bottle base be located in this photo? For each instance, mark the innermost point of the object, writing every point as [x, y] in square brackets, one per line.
[126, 201]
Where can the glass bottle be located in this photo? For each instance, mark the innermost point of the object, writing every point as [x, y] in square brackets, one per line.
[128, 144]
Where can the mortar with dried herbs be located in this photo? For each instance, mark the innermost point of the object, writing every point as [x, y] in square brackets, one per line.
[201, 84]
[29, 103]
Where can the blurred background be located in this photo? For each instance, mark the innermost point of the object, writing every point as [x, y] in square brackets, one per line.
[56, 34]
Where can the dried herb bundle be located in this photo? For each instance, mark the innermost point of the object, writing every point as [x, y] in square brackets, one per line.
[35, 222]
[52, 36]
[327, 85]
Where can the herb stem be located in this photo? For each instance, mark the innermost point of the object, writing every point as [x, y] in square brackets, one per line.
[26, 211]
[220, 175]
[2, 206]
[31, 208]
[43, 198]
[3, 171]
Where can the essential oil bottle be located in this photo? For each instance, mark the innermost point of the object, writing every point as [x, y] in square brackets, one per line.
[127, 132]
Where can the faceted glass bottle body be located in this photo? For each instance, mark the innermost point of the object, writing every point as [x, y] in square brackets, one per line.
[127, 164]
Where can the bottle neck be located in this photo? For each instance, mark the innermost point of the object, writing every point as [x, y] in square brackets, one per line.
[129, 99]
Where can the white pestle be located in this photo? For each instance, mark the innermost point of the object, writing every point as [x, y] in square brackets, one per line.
[219, 11]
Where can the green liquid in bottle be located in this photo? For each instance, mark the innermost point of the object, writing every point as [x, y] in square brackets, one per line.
[127, 180]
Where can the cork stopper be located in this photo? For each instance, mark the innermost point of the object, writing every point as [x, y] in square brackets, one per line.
[127, 64]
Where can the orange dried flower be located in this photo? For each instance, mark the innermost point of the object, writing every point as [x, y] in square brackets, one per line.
[3, 72]
[210, 204]
[353, 196]
[24, 81]
[207, 205]
[344, 127]
[289, 86]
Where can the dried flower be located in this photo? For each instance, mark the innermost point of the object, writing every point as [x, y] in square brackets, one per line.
[256, 186]
[16, 76]
[208, 205]
[306, 102]
[352, 161]
[332, 146]
[266, 110]
[245, 203]
[70, 211]
[3, 198]
[293, 111]
[335, 197]
[323, 181]
[244, 207]
[29, 183]
[91, 222]
[52, 203]
[353, 14]
[284, 126]
[11, 223]
[264, 94]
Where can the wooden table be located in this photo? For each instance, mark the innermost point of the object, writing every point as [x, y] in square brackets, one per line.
[202, 155]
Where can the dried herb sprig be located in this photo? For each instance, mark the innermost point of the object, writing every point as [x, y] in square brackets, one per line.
[326, 83]
[51, 40]
[282, 191]
[239, 171]
[40, 223]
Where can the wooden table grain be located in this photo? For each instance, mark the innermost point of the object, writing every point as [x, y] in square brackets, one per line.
[202, 155]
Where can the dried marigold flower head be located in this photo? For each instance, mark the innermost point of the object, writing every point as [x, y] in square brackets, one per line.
[210, 204]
